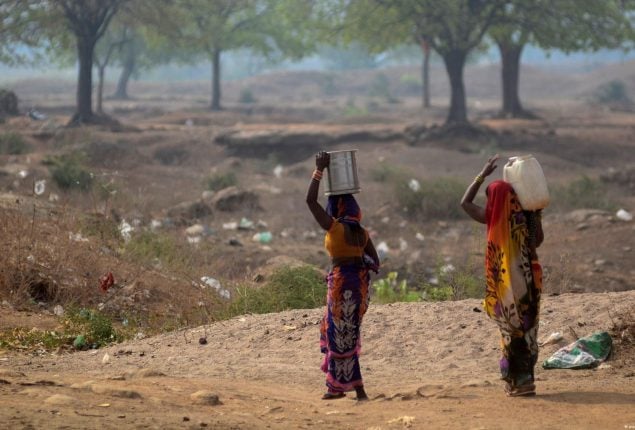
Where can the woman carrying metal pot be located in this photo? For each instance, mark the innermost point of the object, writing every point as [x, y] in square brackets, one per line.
[352, 255]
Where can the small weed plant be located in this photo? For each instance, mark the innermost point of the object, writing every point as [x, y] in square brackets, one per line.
[69, 173]
[391, 290]
[12, 144]
[584, 193]
[434, 199]
[247, 96]
[289, 288]
[220, 181]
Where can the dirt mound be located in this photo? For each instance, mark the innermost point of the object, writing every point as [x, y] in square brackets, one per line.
[426, 365]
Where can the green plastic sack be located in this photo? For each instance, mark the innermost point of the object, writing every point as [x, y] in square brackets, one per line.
[584, 353]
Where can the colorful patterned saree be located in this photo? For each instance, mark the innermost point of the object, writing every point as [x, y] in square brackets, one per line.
[340, 337]
[514, 284]
[347, 298]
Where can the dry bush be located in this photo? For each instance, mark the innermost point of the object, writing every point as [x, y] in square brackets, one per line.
[623, 334]
[46, 261]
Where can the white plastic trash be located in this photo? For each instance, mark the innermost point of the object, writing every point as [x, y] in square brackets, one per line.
[624, 215]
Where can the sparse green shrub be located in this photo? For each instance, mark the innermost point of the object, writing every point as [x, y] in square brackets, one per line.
[12, 143]
[96, 327]
[220, 181]
[100, 226]
[171, 155]
[148, 247]
[351, 109]
[584, 193]
[390, 290]
[384, 172]
[614, 91]
[412, 83]
[289, 288]
[454, 284]
[437, 198]
[246, 96]
[68, 172]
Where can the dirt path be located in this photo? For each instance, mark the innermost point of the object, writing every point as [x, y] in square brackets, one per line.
[426, 365]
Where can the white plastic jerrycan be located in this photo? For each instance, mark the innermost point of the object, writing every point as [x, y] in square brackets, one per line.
[525, 175]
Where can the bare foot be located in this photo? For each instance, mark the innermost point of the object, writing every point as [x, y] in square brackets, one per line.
[361, 394]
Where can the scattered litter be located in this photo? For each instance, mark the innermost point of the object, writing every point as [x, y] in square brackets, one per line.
[290, 327]
[405, 420]
[106, 281]
[385, 220]
[23, 174]
[230, 225]
[554, 337]
[155, 224]
[216, 285]
[414, 185]
[403, 245]
[30, 259]
[624, 215]
[193, 240]
[447, 268]
[211, 282]
[125, 230]
[277, 171]
[262, 224]
[77, 237]
[79, 342]
[433, 280]
[309, 234]
[584, 353]
[58, 310]
[104, 405]
[382, 250]
[245, 224]
[195, 230]
[262, 237]
[420, 237]
[36, 115]
[285, 233]
[403, 223]
[53, 197]
[234, 242]
[207, 194]
[39, 187]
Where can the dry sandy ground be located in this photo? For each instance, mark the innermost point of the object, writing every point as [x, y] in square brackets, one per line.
[426, 365]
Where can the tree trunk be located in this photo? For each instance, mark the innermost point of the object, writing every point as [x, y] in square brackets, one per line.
[454, 64]
[100, 88]
[425, 73]
[85, 52]
[510, 74]
[216, 94]
[128, 69]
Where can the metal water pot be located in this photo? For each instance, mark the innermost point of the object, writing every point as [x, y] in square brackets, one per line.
[342, 173]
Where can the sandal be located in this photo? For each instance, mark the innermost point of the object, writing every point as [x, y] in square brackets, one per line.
[332, 396]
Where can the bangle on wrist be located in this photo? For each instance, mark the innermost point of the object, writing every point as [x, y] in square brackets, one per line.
[317, 175]
[479, 179]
